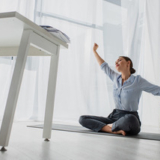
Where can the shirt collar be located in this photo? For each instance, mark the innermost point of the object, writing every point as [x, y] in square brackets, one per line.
[130, 79]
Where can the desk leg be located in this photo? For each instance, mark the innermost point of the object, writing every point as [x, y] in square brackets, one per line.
[50, 96]
[14, 89]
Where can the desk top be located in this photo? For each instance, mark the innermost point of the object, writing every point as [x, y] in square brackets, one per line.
[12, 25]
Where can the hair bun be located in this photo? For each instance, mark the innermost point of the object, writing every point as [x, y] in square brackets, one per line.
[133, 70]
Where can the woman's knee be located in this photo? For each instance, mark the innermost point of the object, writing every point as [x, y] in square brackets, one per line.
[133, 122]
[128, 123]
[130, 118]
[82, 119]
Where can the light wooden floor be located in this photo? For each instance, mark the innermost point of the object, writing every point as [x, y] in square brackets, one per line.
[27, 144]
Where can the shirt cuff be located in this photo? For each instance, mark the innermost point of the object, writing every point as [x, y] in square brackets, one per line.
[103, 64]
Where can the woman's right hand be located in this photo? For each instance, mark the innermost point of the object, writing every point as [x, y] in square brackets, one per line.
[99, 59]
[95, 47]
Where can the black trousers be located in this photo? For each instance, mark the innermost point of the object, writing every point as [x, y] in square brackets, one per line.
[122, 120]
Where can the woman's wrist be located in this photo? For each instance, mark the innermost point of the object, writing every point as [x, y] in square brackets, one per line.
[95, 52]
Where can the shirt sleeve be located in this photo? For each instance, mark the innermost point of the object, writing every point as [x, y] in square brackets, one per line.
[111, 73]
[149, 87]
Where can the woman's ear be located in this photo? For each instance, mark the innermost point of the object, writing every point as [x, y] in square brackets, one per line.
[129, 62]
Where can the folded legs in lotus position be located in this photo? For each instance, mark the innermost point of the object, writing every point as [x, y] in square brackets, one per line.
[118, 122]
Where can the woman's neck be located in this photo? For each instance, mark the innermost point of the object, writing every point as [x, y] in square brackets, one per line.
[125, 76]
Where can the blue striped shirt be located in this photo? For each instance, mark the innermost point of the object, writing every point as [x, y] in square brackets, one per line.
[126, 96]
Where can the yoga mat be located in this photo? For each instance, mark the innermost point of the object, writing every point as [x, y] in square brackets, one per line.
[70, 128]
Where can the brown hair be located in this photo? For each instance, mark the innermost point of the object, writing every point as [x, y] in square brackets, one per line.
[132, 70]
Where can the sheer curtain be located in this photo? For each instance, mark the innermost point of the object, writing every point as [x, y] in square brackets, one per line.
[80, 83]
[25, 102]
[133, 32]
[126, 27]
[151, 65]
[140, 23]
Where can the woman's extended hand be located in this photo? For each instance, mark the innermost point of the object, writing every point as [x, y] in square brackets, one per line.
[95, 47]
[99, 59]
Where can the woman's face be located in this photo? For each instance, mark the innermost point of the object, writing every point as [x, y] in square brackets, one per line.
[122, 65]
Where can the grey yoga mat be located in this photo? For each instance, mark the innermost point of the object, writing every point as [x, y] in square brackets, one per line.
[70, 128]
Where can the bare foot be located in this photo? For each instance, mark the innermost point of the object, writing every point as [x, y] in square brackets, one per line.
[109, 125]
[108, 128]
[120, 132]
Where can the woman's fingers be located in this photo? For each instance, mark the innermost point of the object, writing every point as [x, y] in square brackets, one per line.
[95, 46]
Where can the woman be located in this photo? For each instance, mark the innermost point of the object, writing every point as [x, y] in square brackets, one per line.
[127, 90]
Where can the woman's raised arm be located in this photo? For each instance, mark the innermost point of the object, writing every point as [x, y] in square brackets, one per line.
[99, 59]
[104, 65]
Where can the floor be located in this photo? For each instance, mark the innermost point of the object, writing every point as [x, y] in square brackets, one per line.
[27, 144]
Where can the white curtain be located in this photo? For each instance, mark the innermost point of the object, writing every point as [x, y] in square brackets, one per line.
[140, 28]
[151, 65]
[133, 28]
[126, 27]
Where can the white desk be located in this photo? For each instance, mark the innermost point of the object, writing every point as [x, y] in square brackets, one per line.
[21, 37]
